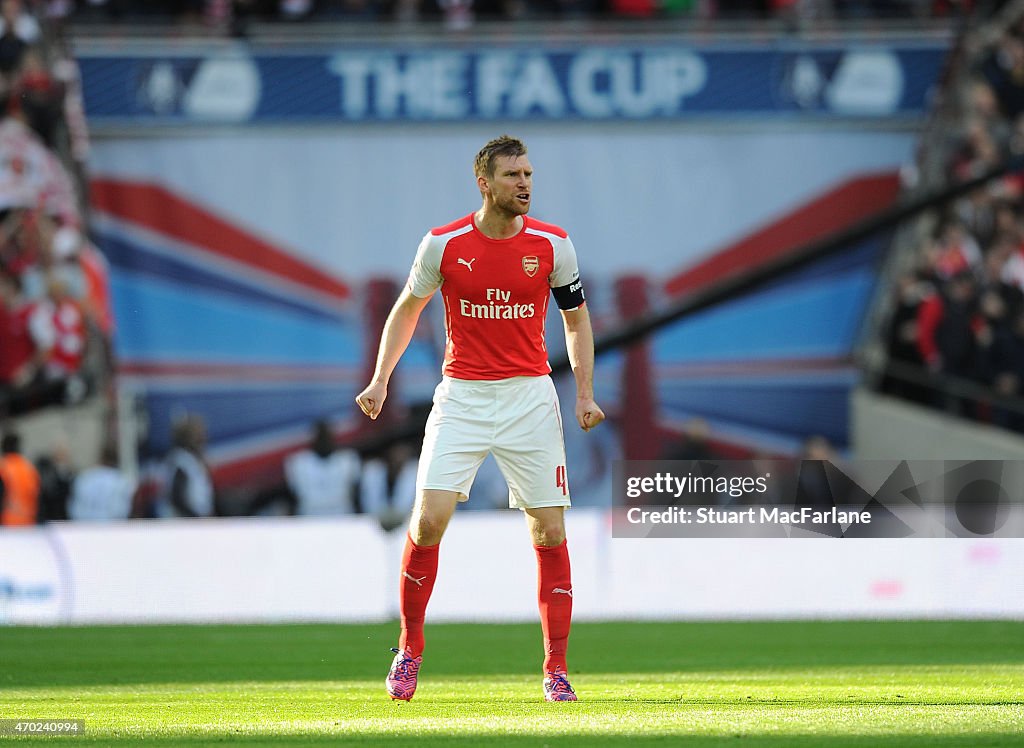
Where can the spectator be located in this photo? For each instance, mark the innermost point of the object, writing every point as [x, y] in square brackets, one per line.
[102, 492]
[995, 277]
[21, 484]
[20, 248]
[294, 10]
[948, 329]
[57, 9]
[1008, 371]
[18, 21]
[27, 333]
[40, 96]
[1004, 72]
[217, 13]
[814, 489]
[1012, 268]
[56, 473]
[321, 479]
[68, 350]
[187, 488]
[902, 336]
[694, 444]
[388, 485]
[31, 175]
[12, 50]
[958, 251]
[86, 259]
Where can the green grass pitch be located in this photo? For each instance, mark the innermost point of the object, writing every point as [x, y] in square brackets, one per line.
[846, 684]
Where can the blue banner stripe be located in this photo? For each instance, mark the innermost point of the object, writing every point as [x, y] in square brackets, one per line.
[161, 321]
[134, 258]
[813, 313]
[794, 410]
[810, 321]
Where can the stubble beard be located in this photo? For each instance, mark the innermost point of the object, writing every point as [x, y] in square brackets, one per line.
[511, 208]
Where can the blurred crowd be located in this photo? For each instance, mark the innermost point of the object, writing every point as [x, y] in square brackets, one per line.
[321, 479]
[960, 310]
[235, 13]
[54, 301]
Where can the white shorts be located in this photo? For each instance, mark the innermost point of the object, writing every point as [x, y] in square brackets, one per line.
[517, 420]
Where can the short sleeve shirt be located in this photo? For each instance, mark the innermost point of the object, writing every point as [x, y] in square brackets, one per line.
[495, 294]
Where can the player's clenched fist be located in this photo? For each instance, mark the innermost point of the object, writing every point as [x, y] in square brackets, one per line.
[588, 414]
[371, 400]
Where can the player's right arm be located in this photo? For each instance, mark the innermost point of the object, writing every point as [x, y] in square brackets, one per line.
[398, 330]
[424, 280]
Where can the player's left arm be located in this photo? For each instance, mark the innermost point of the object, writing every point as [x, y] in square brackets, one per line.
[567, 289]
[579, 341]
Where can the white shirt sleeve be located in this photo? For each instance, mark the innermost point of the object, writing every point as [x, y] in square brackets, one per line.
[76, 505]
[27, 29]
[41, 327]
[425, 276]
[293, 471]
[129, 487]
[565, 270]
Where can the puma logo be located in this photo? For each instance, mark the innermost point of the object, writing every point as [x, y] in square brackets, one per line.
[467, 263]
[418, 582]
[560, 591]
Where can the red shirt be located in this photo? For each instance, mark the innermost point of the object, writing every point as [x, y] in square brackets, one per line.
[69, 347]
[18, 347]
[495, 294]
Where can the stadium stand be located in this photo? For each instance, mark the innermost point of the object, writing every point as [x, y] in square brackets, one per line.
[235, 15]
[955, 330]
[55, 311]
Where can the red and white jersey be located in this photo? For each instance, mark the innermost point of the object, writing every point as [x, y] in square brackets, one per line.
[24, 331]
[25, 167]
[495, 294]
[69, 344]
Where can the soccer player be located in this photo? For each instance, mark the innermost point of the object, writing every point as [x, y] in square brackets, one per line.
[496, 269]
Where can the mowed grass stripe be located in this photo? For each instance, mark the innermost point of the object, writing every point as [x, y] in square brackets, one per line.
[763, 684]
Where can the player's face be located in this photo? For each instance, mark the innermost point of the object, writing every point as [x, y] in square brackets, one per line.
[512, 184]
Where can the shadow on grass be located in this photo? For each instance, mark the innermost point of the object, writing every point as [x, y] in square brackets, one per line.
[117, 655]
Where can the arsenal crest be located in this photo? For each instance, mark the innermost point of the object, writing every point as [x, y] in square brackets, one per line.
[531, 265]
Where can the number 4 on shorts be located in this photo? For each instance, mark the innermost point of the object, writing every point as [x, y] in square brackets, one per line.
[560, 480]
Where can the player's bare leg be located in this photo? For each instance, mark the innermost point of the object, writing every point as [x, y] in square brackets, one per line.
[546, 525]
[429, 520]
[431, 514]
[554, 595]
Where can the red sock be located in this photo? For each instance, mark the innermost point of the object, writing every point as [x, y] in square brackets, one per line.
[554, 593]
[419, 569]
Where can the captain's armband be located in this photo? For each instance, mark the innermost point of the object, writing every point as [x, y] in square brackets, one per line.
[569, 297]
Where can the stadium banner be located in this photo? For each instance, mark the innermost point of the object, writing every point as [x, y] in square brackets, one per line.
[344, 569]
[768, 498]
[851, 78]
[196, 231]
[34, 578]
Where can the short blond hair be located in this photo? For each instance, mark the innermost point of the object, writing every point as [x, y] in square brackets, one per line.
[505, 145]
